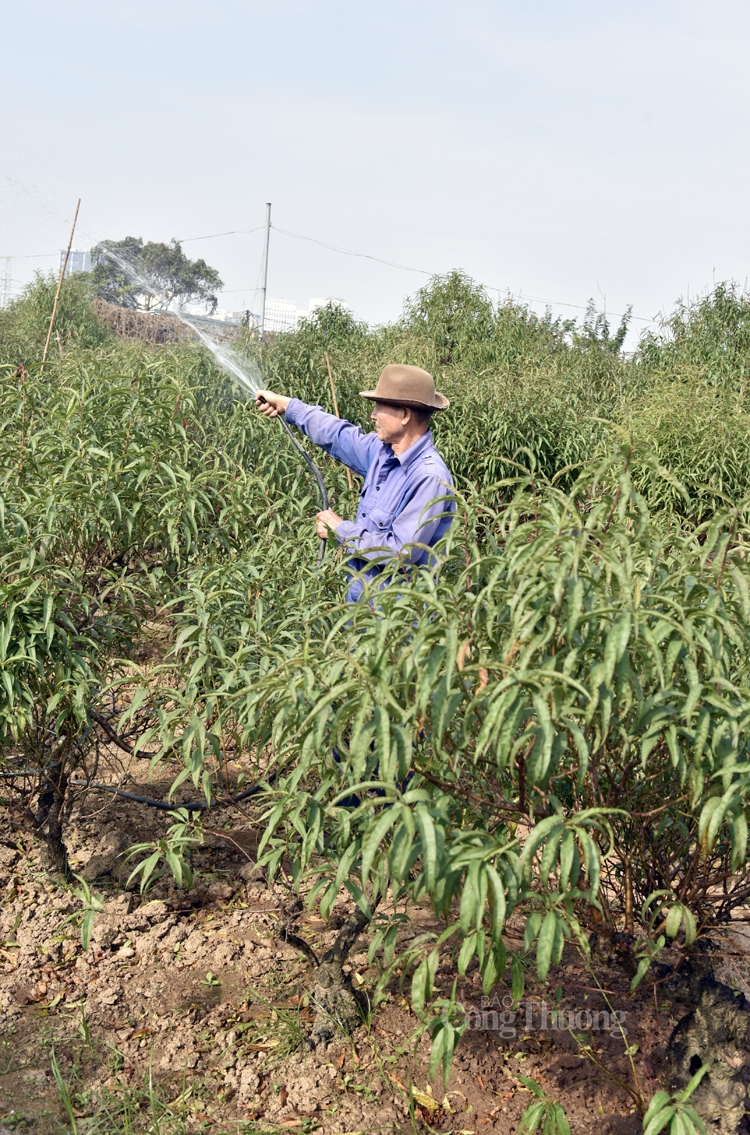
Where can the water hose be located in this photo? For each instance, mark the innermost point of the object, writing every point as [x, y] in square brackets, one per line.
[315, 470]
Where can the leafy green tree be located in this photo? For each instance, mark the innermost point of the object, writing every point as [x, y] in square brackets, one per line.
[453, 312]
[137, 275]
[24, 323]
[595, 331]
[707, 338]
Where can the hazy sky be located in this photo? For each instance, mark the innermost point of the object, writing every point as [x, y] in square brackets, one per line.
[560, 150]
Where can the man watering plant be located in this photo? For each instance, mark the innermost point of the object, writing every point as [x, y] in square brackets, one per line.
[403, 472]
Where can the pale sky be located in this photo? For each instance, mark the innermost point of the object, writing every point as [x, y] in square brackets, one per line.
[560, 150]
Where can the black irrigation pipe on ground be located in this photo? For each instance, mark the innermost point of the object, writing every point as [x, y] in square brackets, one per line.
[165, 806]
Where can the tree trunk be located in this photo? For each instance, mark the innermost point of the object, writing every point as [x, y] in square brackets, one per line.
[715, 1033]
[338, 1004]
[56, 848]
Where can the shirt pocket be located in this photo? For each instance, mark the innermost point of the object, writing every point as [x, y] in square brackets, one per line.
[381, 517]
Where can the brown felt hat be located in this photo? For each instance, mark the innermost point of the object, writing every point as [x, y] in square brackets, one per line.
[407, 386]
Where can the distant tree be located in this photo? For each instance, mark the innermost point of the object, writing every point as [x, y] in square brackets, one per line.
[126, 271]
[452, 311]
[595, 330]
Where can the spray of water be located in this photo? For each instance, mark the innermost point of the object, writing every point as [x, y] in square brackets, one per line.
[247, 374]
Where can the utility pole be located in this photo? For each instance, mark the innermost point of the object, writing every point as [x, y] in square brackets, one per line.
[265, 274]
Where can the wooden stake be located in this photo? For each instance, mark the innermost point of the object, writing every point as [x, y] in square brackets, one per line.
[59, 286]
[336, 408]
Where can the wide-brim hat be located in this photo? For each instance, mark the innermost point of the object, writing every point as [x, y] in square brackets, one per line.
[407, 386]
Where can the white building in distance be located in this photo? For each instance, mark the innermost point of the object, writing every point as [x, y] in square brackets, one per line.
[284, 315]
[77, 262]
[281, 315]
[235, 317]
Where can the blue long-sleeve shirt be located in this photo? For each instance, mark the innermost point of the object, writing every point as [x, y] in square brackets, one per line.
[397, 505]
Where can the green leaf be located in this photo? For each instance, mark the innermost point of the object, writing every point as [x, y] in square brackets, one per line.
[659, 1120]
[466, 953]
[692, 1084]
[674, 920]
[643, 967]
[560, 1119]
[533, 923]
[470, 913]
[429, 844]
[145, 869]
[537, 836]
[87, 925]
[497, 902]
[374, 836]
[532, 1117]
[658, 1100]
[546, 949]
[615, 644]
[421, 985]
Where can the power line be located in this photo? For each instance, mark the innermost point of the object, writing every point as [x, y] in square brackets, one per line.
[181, 240]
[424, 272]
[31, 256]
[562, 303]
[349, 252]
[211, 236]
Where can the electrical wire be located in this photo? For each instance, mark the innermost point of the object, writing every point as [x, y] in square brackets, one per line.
[35, 195]
[211, 236]
[424, 272]
[349, 252]
[31, 256]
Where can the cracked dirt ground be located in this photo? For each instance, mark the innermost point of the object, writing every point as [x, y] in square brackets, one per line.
[195, 992]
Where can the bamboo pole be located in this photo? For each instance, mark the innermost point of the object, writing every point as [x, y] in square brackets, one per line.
[59, 286]
[336, 408]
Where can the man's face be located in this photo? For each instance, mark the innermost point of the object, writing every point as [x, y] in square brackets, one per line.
[390, 421]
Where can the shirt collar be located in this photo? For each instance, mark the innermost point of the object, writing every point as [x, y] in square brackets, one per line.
[405, 459]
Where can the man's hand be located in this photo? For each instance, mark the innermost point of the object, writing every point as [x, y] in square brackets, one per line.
[271, 404]
[325, 522]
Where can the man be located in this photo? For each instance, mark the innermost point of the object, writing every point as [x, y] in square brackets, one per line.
[403, 471]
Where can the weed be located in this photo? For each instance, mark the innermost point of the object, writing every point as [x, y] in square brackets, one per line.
[544, 1114]
[64, 1092]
